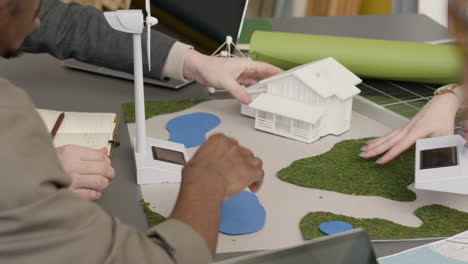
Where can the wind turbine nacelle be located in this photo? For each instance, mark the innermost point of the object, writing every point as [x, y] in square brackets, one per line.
[129, 21]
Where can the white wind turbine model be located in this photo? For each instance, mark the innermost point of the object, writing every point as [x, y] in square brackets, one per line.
[157, 161]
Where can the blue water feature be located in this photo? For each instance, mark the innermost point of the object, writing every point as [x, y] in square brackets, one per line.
[191, 129]
[333, 227]
[242, 214]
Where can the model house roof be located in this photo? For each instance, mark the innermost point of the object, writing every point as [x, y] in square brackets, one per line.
[285, 107]
[256, 88]
[326, 77]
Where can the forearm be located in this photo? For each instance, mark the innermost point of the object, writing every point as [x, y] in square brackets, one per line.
[199, 204]
[74, 31]
[451, 101]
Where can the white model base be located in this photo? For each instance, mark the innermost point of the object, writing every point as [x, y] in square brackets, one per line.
[284, 215]
[151, 171]
[443, 177]
[246, 110]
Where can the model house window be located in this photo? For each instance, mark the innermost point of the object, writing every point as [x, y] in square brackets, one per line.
[301, 125]
[301, 129]
[283, 124]
[265, 115]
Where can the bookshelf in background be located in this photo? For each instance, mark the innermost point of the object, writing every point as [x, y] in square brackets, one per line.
[333, 7]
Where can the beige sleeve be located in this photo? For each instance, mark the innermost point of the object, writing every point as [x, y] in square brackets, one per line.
[175, 61]
[42, 222]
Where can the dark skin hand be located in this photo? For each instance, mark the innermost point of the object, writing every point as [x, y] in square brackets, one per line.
[220, 169]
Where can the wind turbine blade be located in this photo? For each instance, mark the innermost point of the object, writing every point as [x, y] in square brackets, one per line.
[148, 8]
[148, 32]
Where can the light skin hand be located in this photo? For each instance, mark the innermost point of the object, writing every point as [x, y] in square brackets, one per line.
[220, 169]
[224, 73]
[90, 170]
[436, 118]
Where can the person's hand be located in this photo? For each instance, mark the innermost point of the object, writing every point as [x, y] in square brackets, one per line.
[224, 73]
[435, 119]
[223, 160]
[90, 169]
[219, 170]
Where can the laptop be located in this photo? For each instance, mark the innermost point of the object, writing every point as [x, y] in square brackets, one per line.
[210, 19]
[351, 247]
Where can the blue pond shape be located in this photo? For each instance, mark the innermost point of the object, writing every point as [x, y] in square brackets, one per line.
[333, 227]
[242, 214]
[191, 129]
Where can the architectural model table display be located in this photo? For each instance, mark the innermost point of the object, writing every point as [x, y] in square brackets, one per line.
[385, 207]
[72, 92]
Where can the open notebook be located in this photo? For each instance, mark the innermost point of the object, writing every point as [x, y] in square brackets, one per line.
[93, 130]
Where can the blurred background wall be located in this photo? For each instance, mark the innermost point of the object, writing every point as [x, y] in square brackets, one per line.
[436, 9]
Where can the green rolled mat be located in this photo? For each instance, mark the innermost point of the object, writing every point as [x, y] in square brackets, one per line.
[367, 58]
[251, 25]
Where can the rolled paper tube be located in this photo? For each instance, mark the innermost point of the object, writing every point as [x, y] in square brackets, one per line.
[367, 58]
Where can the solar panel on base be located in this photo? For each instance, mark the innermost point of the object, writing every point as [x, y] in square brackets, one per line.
[403, 98]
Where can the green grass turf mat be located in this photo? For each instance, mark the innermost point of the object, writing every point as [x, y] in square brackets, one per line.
[342, 170]
[154, 108]
[438, 221]
[152, 218]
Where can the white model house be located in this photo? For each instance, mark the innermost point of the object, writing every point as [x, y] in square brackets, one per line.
[306, 102]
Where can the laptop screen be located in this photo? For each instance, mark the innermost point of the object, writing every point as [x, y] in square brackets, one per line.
[214, 19]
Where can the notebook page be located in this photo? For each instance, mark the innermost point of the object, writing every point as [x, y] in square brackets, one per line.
[90, 140]
[49, 117]
[87, 123]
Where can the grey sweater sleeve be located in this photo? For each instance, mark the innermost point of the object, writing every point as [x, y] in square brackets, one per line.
[75, 31]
